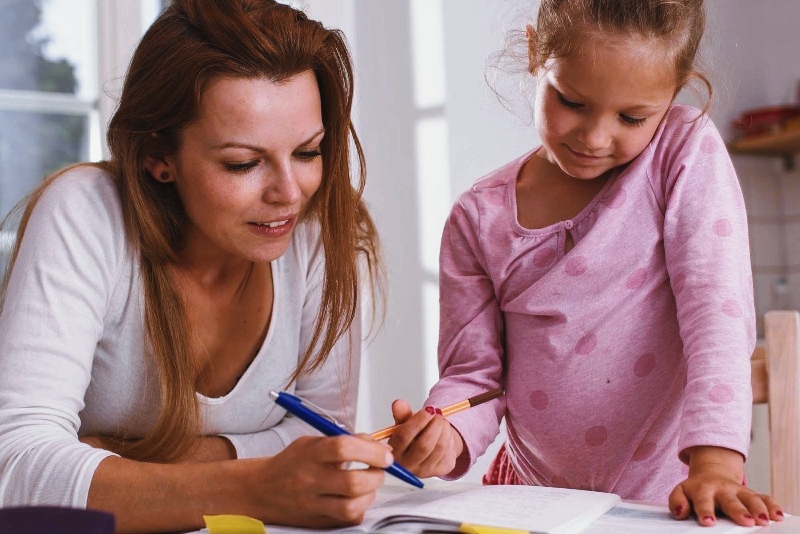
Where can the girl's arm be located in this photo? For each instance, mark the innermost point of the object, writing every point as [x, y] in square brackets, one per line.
[708, 259]
[470, 358]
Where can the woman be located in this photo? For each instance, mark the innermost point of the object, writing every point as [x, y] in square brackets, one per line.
[153, 300]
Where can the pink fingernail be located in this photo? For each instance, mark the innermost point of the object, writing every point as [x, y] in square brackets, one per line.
[710, 518]
[678, 511]
[430, 409]
[779, 513]
[763, 517]
[438, 411]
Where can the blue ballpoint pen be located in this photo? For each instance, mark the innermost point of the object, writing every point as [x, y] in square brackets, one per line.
[294, 405]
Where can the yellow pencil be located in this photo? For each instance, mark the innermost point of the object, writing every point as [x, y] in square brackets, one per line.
[450, 410]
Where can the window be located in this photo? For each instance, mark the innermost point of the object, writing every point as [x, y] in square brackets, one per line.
[55, 58]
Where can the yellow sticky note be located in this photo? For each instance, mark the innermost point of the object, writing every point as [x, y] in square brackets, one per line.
[468, 528]
[233, 524]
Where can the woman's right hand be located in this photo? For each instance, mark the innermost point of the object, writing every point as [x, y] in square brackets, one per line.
[308, 484]
[424, 442]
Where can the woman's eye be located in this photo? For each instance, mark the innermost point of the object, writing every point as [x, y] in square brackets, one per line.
[241, 167]
[567, 103]
[309, 154]
[633, 121]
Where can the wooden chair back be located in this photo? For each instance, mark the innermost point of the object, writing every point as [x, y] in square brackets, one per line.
[776, 382]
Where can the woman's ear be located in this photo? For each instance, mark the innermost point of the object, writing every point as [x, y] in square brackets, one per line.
[159, 169]
[531, 37]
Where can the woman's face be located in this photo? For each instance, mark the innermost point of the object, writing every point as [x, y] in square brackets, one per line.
[248, 166]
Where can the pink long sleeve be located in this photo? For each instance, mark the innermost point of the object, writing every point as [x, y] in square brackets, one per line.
[623, 352]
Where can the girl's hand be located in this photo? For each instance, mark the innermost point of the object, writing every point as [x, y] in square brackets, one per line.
[308, 483]
[715, 484]
[425, 442]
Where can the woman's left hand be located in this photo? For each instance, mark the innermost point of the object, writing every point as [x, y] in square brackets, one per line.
[715, 484]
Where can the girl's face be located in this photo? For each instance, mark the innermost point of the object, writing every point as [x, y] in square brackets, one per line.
[599, 108]
[248, 166]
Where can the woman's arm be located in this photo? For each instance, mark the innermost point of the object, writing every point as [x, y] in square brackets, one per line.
[305, 485]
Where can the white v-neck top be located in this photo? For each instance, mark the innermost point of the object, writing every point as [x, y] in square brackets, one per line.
[73, 360]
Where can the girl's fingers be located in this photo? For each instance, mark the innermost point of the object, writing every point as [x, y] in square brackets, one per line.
[679, 505]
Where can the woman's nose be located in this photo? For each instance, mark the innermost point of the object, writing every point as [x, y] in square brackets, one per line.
[282, 186]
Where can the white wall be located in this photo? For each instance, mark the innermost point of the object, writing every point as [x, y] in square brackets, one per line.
[752, 49]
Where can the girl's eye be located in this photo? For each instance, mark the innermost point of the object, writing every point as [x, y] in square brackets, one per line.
[307, 155]
[241, 167]
[567, 103]
[632, 120]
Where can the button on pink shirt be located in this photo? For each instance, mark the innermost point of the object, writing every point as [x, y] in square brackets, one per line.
[623, 352]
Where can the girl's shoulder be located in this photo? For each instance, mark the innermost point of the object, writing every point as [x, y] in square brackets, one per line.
[503, 176]
[684, 121]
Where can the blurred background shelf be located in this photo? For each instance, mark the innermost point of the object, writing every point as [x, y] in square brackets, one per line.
[781, 144]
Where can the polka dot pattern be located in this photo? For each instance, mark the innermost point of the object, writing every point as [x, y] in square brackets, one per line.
[644, 365]
[596, 436]
[645, 451]
[616, 199]
[709, 144]
[576, 266]
[586, 344]
[723, 227]
[731, 308]
[544, 257]
[539, 400]
[721, 394]
[636, 279]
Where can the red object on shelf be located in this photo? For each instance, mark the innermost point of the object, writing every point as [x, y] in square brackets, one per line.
[766, 119]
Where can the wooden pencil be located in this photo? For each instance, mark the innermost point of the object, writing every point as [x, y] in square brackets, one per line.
[449, 410]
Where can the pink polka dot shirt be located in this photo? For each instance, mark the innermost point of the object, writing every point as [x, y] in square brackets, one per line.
[621, 353]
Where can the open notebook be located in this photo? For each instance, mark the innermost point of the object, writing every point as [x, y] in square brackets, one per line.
[523, 508]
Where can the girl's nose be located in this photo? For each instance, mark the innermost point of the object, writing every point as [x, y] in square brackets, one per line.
[281, 185]
[595, 134]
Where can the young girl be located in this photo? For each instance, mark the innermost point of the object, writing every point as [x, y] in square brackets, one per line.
[603, 279]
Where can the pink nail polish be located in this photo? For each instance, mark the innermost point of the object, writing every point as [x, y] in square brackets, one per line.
[779, 513]
[763, 517]
[430, 409]
[439, 411]
[678, 511]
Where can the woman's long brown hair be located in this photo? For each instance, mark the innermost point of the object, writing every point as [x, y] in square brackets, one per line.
[192, 43]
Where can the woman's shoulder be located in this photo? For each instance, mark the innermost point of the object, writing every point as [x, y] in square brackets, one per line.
[82, 187]
[83, 199]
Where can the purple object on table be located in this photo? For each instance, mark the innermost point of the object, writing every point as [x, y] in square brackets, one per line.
[55, 520]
